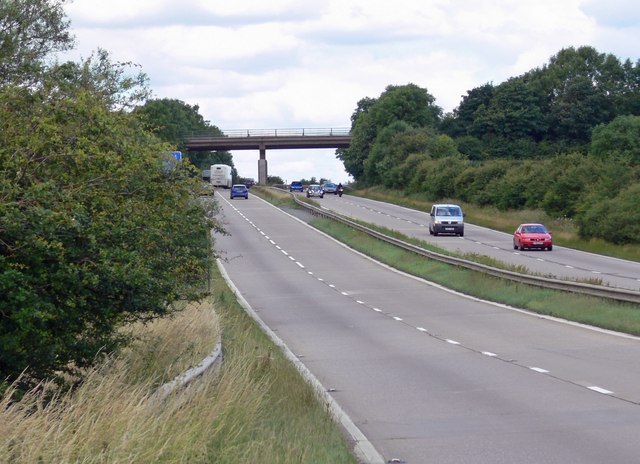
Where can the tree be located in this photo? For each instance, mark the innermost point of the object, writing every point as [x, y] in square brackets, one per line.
[619, 139]
[29, 31]
[616, 220]
[172, 120]
[408, 104]
[98, 228]
[583, 88]
[513, 113]
[464, 114]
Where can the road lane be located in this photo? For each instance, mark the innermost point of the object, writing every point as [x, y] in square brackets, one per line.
[429, 375]
[561, 262]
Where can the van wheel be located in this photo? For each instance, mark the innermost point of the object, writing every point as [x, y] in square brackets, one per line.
[461, 234]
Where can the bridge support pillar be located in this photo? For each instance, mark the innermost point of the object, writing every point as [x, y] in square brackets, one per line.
[262, 166]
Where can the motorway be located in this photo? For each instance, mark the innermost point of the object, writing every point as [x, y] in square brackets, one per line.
[426, 374]
[560, 263]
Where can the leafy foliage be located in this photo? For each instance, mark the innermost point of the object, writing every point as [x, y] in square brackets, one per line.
[29, 31]
[408, 106]
[564, 138]
[172, 120]
[97, 227]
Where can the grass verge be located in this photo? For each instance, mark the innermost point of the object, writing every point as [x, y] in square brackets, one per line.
[255, 409]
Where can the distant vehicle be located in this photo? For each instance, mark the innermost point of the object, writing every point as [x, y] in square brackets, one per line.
[239, 190]
[249, 182]
[532, 236]
[221, 175]
[446, 219]
[315, 190]
[296, 186]
[330, 187]
[206, 175]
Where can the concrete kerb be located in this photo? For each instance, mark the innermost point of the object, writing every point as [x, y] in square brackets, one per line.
[363, 449]
[209, 362]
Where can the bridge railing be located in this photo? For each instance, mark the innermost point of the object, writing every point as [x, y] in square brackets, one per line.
[313, 132]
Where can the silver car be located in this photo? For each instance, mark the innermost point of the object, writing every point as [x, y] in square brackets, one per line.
[315, 190]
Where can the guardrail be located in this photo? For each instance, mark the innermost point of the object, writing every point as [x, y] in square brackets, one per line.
[302, 132]
[612, 293]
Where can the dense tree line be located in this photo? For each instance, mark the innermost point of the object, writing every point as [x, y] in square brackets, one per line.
[99, 227]
[564, 137]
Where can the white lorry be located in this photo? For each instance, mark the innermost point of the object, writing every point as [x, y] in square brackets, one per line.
[221, 175]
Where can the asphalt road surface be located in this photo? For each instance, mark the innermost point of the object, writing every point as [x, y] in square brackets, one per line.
[428, 375]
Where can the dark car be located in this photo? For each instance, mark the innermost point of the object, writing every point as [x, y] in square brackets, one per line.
[532, 236]
[296, 186]
[239, 190]
[330, 187]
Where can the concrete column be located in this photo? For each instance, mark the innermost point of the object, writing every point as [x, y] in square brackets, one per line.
[262, 166]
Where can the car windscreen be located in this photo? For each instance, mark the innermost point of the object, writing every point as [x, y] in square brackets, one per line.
[449, 211]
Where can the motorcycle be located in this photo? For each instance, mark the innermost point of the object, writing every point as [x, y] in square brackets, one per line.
[340, 189]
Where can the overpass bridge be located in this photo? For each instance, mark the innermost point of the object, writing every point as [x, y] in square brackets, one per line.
[263, 139]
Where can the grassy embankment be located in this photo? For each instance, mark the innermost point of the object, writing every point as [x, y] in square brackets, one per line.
[255, 409]
[623, 317]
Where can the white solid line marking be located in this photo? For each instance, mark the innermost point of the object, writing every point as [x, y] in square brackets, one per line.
[489, 353]
[539, 369]
[600, 390]
[568, 267]
[596, 272]
[453, 342]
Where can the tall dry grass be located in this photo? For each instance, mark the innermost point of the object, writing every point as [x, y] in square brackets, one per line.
[255, 408]
[110, 417]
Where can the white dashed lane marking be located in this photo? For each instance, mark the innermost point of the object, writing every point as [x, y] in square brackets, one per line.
[490, 354]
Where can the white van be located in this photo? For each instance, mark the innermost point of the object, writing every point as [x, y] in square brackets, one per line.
[446, 219]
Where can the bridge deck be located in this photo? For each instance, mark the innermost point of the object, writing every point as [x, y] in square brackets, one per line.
[270, 139]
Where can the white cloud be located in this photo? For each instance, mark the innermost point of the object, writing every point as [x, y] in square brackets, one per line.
[290, 64]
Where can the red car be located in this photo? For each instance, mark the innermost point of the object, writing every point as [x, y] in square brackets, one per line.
[532, 236]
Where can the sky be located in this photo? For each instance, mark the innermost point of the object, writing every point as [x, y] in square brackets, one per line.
[293, 64]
